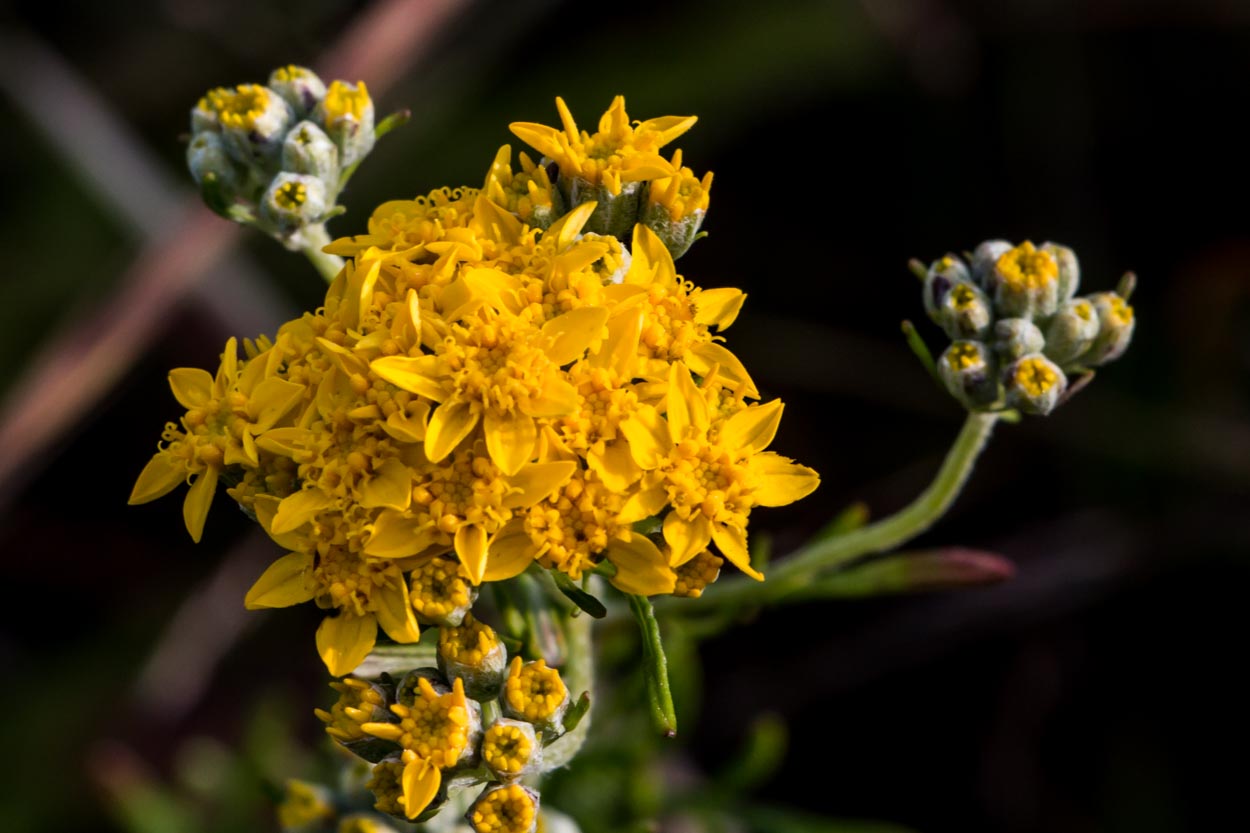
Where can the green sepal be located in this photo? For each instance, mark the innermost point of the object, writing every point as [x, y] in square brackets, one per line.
[576, 712]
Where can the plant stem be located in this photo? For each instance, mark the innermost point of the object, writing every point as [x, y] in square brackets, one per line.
[315, 239]
[796, 571]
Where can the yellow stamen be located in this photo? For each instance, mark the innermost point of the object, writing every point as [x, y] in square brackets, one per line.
[1035, 376]
[1025, 267]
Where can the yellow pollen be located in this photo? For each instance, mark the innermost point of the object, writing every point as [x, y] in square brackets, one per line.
[963, 356]
[1024, 267]
[1035, 376]
[534, 691]
[507, 809]
[507, 748]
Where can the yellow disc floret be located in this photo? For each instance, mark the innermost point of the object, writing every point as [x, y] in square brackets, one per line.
[345, 101]
[1035, 376]
[388, 792]
[533, 691]
[508, 747]
[241, 107]
[696, 574]
[439, 589]
[359, 703]
[468, 645]
[434, 729]
[964, 355]
[508, 809]
[1026, 267]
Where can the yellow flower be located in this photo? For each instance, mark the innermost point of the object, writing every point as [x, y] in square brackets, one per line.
[706, 488]
[225, 416]
[534, 693]
[527, 193]
[409, 226]
[435, 732]
[618, 153]
[682, 194]
[510, 748]
[507, 809]
[359, 703]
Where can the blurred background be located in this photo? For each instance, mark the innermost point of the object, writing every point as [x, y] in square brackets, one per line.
[1095, 691]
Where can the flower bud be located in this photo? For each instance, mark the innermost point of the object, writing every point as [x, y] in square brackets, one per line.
[1014, 337]
[615, 214]
[360, 702]
[299, 87]
[440, 592]
[536, 694]
[965, 312]
[1034, 384]
[253, 120]
[347, 113]
[967, 370]
[675, 207]
[409, 685]
[388, 791]
[308, 150]
[511, 749]
[696, 574]
[1071, 331]
[1025, 282]
[293, 201]
[943, 275]
[1115, 320]
[511, 808]
[1069, 269]
[473, 653]
[304, 806]
[984, 258]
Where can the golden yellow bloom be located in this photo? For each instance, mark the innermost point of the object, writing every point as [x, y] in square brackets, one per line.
[619, 152]
[682, 194]
[435, 732]
[239, 108]
[696, 574]
[708, 487]
[410, 225]
[346, 101]
[509, 748]
[1027, 267]
[534, 692]
[359, 703]
[506, 809]
[527, 193]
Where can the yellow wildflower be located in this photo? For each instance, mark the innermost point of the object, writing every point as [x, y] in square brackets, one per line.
[534, 693]
[507, 809]
[359, 703]
[510, 748]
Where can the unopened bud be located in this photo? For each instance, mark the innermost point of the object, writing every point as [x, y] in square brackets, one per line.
[347, 113]
[1071, 331]
[1116, 322]
[536, 694]
[409, 686]
[1015, 337]
[511, 808]
[967, 370]
[294, 201]
[615, 214]
[1034, 384]
[299, 87]
[1069, 269]
[253, 119]
[387, 786]
[1025, 283]
[696, 574]
[511, 749]
[985, 258]
[965, 312]
[473, 653]
[304, 806]
[675, 207]
[944, 274]
[360, 702]
[359, 823]
[308, 150]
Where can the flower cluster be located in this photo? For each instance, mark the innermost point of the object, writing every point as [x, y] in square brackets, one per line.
[480, 394]
[464, 725]
[1018, 330]
[276, 156]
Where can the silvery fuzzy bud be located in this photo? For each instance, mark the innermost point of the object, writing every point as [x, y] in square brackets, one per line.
[308, 150]
[1024, 283]
[944, 273]
[965, 312]
[516, 804]
[615, 214]
[677, 236]
[984, 258]
[299, 86]
[473, 653]
[967, 370]
[348, 117]
[511, 749]
[1071, 331]
[293, 201]
[214, 171]
[1015, 337]
[253, 120]
[1034, 384]
[1069, 269]
[1116, 322]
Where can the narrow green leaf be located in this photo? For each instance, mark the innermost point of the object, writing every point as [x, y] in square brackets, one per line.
[914, 572]
[655, 667]
[576, 712]
[578, 596]
[917, 345]
[397, 119]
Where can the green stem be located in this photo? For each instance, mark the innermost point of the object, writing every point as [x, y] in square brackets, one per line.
[315, 239]
[795, 572]
[655, 667]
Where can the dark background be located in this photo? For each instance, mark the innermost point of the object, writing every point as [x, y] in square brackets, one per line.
[1099, 690]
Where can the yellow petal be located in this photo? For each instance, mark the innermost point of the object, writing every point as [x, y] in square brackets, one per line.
[198, 500]
[651, 261]
[665, 128]
[510, 439]
[394, 613]
[648, 437]
[502, 225]
[566, 229]
[615, 466]
[571, 333]
[421, 375]
[286, 442]
[733, 545]
[271, 400]
[620, 348]
[511, 551]
[159, 477]
[718, 307]
[286, 582]
[420, 782]
[450, 423]
[533, 483]
[470, 545]
[643, 504]
[492, 286]
[540, 137]
[229, 370]
[409, 427]
[750, 431]
[298, 509]
[390, 485]
[345, 640]
[686, 539]
[703, 356]
[687, 409]
[396, 535]
[780, 480]
[192, 386]
[640, 567]
[558, 398]
[265, 508]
